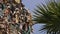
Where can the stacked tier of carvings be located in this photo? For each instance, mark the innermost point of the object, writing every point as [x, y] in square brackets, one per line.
[14, 18]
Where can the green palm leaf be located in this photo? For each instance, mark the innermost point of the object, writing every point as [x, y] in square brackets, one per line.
[50, 15]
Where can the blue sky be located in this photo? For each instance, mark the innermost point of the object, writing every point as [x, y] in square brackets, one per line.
[31, 4]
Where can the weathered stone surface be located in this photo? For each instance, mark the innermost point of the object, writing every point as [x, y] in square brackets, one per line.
[13, 19]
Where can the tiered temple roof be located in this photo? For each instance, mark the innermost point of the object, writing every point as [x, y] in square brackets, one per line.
[14, 18]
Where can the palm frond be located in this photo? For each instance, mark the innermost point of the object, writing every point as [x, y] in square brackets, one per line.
[50, 15]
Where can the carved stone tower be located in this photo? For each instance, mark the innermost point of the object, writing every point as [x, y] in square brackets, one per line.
[14, 18]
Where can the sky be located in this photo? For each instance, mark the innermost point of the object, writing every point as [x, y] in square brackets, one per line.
[31, 4]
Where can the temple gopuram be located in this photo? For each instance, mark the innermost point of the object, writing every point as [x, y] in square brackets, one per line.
[14, 18]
